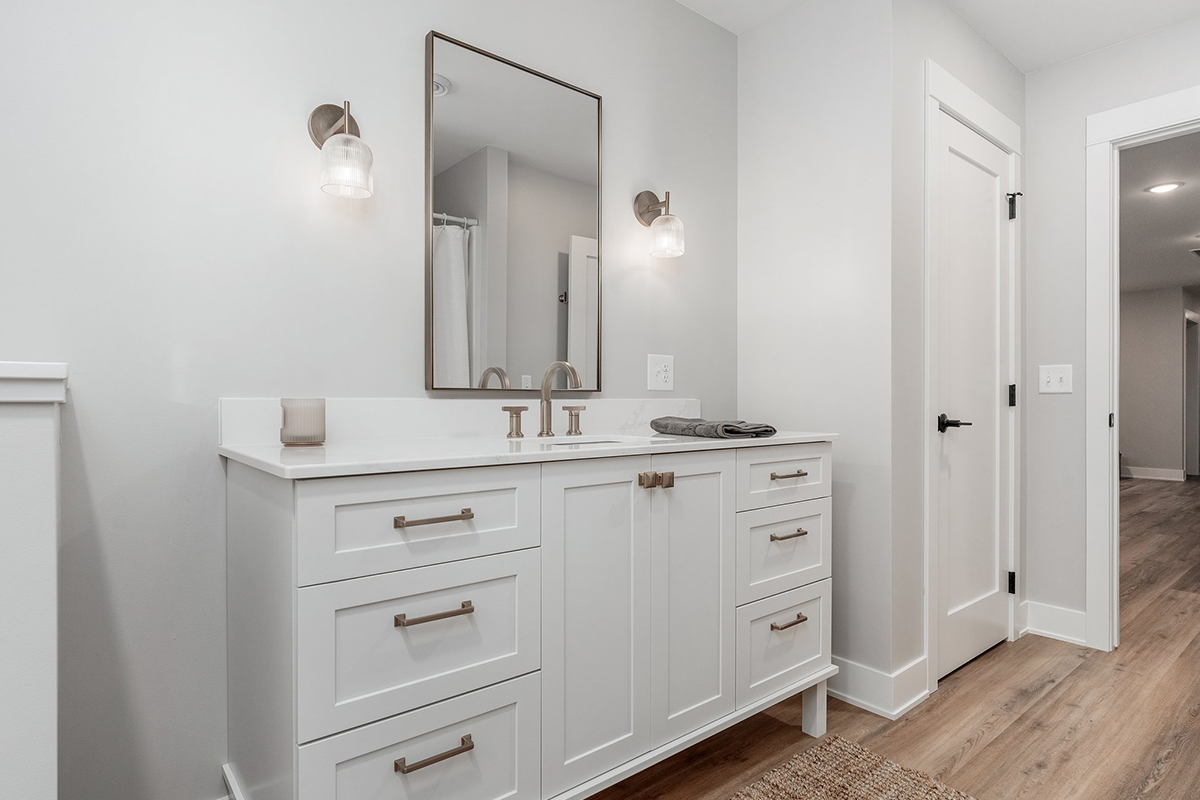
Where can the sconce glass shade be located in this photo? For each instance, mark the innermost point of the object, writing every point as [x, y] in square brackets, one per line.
[667, 234]
[346, 167]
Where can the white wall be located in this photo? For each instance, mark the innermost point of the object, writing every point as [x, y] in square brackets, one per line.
[1152, 379]
[814, 275]
[922, 29]
[837, 170]
[164, 234]
[1059, 99]
[544, 211]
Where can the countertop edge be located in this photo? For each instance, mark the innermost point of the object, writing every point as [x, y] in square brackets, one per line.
[245, 454]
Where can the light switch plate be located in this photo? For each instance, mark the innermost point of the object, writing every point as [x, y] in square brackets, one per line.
[1055, 379]
[660, 373]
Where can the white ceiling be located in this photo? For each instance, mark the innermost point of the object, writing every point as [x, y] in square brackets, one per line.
[1158, 231]
[540, 123]
[738, 16]
[1038, 33]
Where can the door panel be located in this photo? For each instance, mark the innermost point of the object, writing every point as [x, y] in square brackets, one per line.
[970, 370]
[692, 594]
[595, 629]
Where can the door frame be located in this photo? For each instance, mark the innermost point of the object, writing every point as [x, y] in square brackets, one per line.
[1108, 133]
[1191, 363]
[945, 93]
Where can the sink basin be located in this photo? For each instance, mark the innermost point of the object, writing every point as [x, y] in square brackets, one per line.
[596, 441]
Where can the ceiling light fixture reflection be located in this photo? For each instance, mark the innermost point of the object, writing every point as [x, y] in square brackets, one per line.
[1163, 188]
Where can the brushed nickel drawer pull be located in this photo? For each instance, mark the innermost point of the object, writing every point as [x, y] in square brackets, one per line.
[402, 620]
[467, 746]
[775, 476]
[775, 537]
[401, 522]
[775, 626]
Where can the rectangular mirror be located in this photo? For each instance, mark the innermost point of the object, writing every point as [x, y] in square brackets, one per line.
[512, 256]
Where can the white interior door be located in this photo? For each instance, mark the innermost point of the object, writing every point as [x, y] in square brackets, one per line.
[583, 306]
[971, 358]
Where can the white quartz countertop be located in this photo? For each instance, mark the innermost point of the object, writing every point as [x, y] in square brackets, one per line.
[367, 457]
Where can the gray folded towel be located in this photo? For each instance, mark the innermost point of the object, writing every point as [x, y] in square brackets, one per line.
[710, 429]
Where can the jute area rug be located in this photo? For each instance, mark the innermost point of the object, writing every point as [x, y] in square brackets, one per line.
[840, 770]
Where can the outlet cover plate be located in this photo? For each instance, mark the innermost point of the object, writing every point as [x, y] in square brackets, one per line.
[660, 373]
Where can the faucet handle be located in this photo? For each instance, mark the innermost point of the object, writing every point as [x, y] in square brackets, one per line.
[573, 424]
[514, 420]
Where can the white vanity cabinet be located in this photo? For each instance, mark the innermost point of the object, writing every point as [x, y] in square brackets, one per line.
[538, 628]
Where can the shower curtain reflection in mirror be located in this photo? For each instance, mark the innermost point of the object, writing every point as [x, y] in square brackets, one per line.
[451, 265]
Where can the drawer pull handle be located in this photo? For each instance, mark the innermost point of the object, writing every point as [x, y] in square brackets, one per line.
[402, 620]
[775, 626]
[775, 476]
[401, 522]
[775, 537]
[467, 746]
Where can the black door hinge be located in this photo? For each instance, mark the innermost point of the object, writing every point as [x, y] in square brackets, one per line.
[1112, 420]
[1012, 395]
[1012, 203]
[1012, 583]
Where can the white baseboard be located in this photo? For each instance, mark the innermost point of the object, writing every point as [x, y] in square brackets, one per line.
[1053, 622]
[1154, 474]
[231, 783]
[888, 695]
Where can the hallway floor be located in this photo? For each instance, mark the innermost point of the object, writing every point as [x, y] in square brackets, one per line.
[1036, 718]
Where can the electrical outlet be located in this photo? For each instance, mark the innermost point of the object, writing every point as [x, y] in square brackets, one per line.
[1055, 379]
[526, 381]
[660, 373]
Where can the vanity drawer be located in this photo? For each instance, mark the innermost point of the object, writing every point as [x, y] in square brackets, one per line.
[768, 659]
[368, 524]
[771, 476]
[782, 547]
[357, 661]
[489, 739]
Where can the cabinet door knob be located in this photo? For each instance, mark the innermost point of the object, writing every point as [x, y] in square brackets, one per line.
[666, 480]
[648, 480]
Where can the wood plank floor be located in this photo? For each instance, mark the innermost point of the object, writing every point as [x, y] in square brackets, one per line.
[1035, 718]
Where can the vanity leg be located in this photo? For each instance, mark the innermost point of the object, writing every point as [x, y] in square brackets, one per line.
[813, 709]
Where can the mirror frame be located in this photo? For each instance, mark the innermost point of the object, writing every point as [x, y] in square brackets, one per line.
[430, 39]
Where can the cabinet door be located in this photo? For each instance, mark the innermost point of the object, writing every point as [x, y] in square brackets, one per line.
[693, 582]
[595, 621]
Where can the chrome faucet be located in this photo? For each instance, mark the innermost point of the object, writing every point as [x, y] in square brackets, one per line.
[573, 382]
[499, 373]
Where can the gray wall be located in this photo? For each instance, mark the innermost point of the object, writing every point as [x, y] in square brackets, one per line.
[1152, 379]
[814, 274]
[164, 234]
[1059, 100]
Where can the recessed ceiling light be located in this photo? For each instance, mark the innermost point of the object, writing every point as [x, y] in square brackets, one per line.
[441, 85]
[1163, 188]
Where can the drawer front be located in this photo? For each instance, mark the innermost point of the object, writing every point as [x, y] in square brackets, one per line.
[782, 547]
[369, 524]
[772, 476]
[489, 741]
[769, 659]
[465, 625]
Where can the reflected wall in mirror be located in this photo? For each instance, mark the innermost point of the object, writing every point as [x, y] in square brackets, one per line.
[513, 272]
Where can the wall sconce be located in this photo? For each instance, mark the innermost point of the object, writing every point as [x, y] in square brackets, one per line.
[665, 228]
[345, 158]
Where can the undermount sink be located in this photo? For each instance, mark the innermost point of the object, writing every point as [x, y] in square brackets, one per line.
[591, 441]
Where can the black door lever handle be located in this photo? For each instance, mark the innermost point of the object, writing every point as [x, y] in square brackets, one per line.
[945, 422]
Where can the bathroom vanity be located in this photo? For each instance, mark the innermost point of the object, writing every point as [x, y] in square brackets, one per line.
[478, 618]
